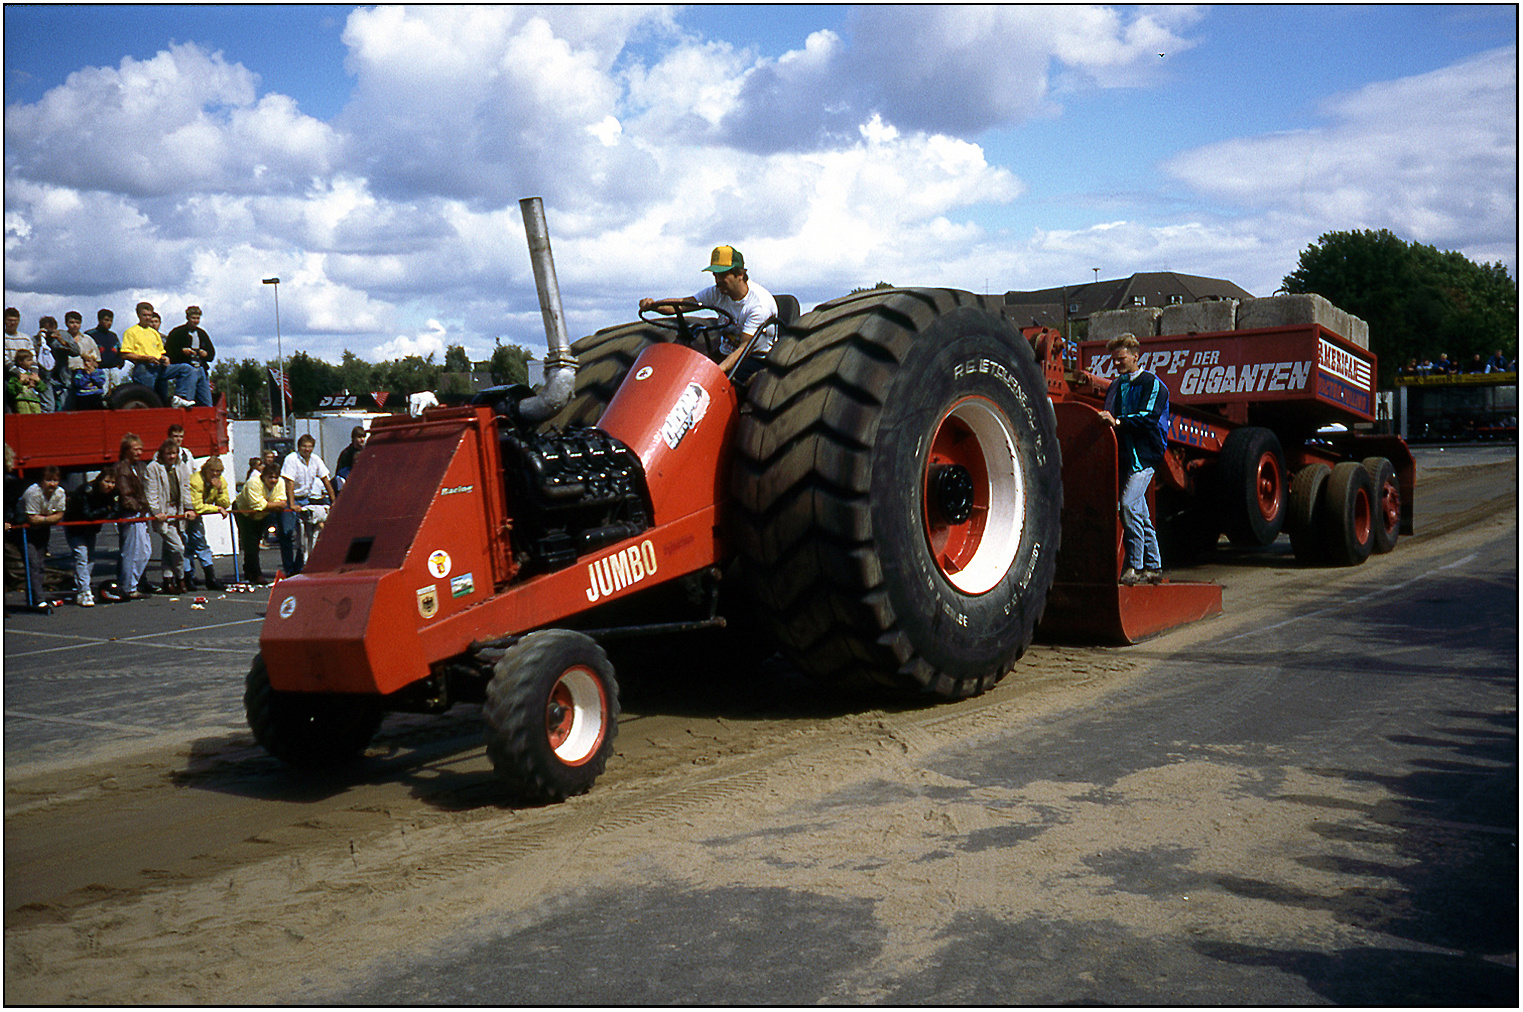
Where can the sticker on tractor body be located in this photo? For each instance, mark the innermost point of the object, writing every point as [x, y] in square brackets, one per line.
[439, 564]
[685, 414]
[428, 601]
[463, 585]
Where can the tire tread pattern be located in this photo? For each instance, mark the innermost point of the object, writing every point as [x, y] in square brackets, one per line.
[802, 480]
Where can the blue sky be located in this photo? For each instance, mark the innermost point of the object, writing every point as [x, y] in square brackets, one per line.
[373, 157]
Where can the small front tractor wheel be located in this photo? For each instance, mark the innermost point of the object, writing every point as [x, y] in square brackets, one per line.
[1387, 494]
[552, 712]
[900, 486]
[307, 729]
[1251, 481]
[1348, 526]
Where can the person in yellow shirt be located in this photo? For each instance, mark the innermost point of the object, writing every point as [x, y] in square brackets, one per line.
[143, 346]
[208, 494]
[255, 511]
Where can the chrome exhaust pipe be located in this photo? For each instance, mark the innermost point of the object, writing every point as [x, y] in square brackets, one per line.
[560, 363]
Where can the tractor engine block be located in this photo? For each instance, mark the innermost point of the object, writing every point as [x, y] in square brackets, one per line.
[572, 493]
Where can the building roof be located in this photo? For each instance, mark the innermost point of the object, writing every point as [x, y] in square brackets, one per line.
[1157, 288]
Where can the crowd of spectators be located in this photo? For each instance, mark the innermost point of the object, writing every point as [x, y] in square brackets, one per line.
[75, 370]
[1442, 366]
[168, 499]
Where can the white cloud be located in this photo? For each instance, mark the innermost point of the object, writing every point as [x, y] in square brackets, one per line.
[1432, 157]
[851, 159]
[183, 120]
[423, 344]
[951, 69]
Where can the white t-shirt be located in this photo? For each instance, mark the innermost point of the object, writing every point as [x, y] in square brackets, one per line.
[306, 477]
[750, 313]
[417, 402]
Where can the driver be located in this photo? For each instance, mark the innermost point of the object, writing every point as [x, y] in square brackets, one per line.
[750, 306]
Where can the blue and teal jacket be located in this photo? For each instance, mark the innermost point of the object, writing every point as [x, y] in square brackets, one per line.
[1139, 403]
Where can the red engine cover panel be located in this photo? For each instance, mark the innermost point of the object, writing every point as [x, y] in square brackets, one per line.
[677, 411]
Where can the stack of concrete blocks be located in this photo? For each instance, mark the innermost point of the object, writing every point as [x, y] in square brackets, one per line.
[1141, 322]
[1199, 318]
[1300, 310]
[1229, 314]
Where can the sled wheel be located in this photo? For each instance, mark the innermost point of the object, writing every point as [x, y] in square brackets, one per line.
[1387, 500]
[132, 397]
[1348, 525]
[551, 715]
[1251, 482]
[307, 729]
[603, 359]
[1308, 502]
[899, 484]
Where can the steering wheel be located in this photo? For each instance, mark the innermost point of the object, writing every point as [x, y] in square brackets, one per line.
[686, 327]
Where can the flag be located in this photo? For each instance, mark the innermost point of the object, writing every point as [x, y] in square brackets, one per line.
[276, 378]
[380, 397]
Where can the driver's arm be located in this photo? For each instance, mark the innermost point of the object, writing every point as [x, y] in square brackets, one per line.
[666, 307]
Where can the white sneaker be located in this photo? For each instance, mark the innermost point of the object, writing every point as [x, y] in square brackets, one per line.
[86, 601]
[181, 402]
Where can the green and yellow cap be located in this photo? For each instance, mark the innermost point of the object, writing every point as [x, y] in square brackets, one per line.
[725, 259]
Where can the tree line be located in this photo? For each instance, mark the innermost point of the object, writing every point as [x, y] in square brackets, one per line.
[249, 386]
[1418, 300]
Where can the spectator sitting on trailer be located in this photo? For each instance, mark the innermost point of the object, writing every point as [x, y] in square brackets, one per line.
[89, 392]
[22, 384]
[105, 339]
[1497, 362]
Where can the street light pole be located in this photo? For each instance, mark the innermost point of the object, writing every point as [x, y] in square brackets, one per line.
[279, 354]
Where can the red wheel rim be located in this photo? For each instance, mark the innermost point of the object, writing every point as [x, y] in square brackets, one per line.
[973, 542]
[1363, 517]
[1389, 505]
[1269, 486]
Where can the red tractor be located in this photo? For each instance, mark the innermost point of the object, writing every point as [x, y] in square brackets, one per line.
[888, 495]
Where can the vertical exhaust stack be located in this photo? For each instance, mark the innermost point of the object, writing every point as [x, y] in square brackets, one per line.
[560, 364]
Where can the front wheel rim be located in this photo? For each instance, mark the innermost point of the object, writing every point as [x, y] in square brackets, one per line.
[974, 546]
[576, 716]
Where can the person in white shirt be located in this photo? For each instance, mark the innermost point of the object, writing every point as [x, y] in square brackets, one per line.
[752, 308]
[418, 402]
[304, 474]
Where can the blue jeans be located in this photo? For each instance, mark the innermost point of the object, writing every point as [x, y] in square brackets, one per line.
[136, 551]
[1140, 539]
[196, 547]
[159, 376]
[292, 550]
[82, 546]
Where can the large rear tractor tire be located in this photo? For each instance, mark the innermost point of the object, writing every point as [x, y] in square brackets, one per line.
[900, 488]
[308, 730]
[1308, 504]
[1387, 493]
[1348, 526]
[552, 712]
[1251, 480]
